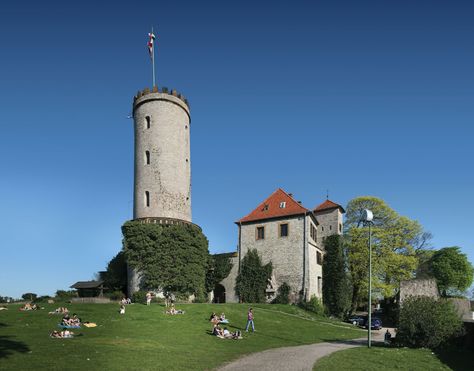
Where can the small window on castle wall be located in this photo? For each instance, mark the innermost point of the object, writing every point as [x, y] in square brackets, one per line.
[319, 258]
[147, 157]
[340, 228]
[260, 233]
[320, 284]
[148, 122]
[330, 227]
[147, 199]
[322, 229]
[284, 230]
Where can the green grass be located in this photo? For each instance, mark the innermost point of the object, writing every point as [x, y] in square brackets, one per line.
[146, 338]
[380, 358]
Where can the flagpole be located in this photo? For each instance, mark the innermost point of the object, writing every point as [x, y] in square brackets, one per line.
[153, 58]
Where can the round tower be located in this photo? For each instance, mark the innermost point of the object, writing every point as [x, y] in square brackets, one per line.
[162, 184]
[162, 187]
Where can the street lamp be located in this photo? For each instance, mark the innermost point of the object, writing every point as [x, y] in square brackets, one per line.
[367, 218]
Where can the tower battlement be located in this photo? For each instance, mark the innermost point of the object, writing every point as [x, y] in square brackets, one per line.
[163, 90]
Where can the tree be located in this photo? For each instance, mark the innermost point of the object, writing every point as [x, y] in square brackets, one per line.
[395, 241]
[336, 286]
[219, 268]
[29, 296]
[252, 279]
[427, 322]
[168, 257]
[115, 277]
[452, 271]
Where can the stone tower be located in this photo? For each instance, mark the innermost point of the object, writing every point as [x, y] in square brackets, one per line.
[162, 156]
[162, 184]
[330, 218]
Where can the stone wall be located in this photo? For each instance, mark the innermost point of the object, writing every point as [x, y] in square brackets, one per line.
[418, 287]
[230, 280]
[162, 126]
[330, 222]
[285, 253]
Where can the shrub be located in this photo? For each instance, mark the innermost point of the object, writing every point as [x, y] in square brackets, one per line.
[427, 322]
[313, 305]
[42, 299]
[283, 294]
[66, 295]
[115, 295]
[252, 279]
[336, 286]
[139, 297]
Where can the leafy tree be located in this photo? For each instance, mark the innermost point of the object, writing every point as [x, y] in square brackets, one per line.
[218, 268]
[336, 286]
[252, 279]
[427, 322]
[283, 294]
[395, 242]
[169, 257]
[115, 277]
[453, 272]
[29, 296]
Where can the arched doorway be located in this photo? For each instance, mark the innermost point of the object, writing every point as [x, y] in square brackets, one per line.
[219, 294]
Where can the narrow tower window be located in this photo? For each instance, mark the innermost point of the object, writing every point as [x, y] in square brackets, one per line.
[147, 157]
[147, 199]
[148, 122]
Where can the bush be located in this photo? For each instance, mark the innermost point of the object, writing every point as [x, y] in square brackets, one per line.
[65, 295]
[42, 299]
[252, 279]
[427, 322]
[313, 305]
[283, 294]
[115, 295]
[139, 297]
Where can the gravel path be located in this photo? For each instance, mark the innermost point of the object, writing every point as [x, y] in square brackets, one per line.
[296, 358]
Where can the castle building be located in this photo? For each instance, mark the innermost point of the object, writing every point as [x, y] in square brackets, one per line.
[162, 184]
[290, 236]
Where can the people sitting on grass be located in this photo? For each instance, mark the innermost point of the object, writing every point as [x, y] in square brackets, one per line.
[174, 311]
[387, 338]
[73, 321]
[28, 307]
[125, 301]
[222, 319]
[122, 309]
[225, 333]
[62, 334]
[60, 310]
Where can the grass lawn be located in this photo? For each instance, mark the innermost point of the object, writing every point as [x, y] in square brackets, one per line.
[146, 338]
[381, 358]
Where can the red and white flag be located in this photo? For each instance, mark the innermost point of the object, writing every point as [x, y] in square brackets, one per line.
[151, 42]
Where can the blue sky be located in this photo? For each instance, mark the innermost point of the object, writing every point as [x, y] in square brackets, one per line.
[358, 97]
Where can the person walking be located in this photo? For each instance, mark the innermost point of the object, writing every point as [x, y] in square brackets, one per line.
[250, 321]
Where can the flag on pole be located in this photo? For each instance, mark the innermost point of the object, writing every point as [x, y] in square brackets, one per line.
[151, 41]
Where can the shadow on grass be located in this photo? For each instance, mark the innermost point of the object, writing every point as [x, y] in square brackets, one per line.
[8, 346]
[456, 358]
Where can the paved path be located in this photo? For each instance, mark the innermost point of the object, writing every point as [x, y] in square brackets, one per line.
[296, 358]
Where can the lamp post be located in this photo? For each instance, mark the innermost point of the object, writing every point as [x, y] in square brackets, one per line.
[367, 218]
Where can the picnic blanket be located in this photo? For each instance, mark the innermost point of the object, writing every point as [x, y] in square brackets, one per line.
[66, 326]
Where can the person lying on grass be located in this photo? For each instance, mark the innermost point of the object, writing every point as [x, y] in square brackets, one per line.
[65, 334]
[74, 321]
[28, 306]
[174, 311]
[60, 310]
[225, 333]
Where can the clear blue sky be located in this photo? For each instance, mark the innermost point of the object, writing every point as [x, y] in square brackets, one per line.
[358, 97]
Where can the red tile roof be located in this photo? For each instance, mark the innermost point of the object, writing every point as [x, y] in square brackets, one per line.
[328, 205]
[270, 208]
